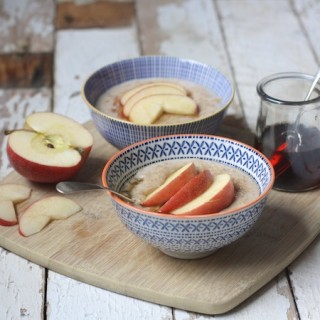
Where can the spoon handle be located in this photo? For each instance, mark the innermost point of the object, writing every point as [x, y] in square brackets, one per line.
[314, 83]
[67, 187]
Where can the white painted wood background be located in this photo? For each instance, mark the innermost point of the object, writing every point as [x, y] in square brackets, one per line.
[245, 39]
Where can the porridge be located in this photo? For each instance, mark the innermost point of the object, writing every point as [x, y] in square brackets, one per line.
[186, 102]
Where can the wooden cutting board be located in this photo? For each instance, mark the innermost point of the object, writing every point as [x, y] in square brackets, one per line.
[94, 247]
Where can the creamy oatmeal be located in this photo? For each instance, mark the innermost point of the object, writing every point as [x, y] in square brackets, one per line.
[145, 181]
[207, 102]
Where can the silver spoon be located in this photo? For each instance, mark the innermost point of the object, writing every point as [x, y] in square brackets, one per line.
[314, 83]
[67, 187]
[301, 112]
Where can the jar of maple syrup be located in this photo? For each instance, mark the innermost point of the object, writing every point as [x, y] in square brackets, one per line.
[288, 130]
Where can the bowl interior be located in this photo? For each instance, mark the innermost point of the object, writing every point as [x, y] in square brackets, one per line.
[125, 164]
[157, 67]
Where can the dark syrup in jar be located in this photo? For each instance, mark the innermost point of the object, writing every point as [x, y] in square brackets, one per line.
[294, 154]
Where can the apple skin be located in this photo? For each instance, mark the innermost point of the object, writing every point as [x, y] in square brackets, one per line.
[50, 148]
[40, 213]
[157, 89]
[178, 179]
[8, 215]
[191, 190]
[216, 198]
[41, 173]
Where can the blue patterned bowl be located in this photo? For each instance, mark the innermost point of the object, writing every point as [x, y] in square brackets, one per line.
[121, 133]
[194, 236]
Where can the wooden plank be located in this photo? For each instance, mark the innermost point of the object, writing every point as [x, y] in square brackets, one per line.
[22, 288]
[26, 37]
[22, 284]
[94, 247]
[94, 15]
[81, 52]
[282, 308]
[304, 272]
[26, 70]
[269, 48]
[188, 29]
[71, 299]
[26, 26]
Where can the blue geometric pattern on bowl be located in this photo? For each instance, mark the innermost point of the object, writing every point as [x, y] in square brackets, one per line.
[190, 237]
[121, 133]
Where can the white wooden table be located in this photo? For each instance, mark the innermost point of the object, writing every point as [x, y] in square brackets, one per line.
[52, 47]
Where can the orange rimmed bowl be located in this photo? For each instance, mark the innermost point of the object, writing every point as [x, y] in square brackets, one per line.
[194, 236]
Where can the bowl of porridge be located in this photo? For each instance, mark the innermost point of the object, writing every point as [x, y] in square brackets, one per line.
[140, 98]
[192, 194]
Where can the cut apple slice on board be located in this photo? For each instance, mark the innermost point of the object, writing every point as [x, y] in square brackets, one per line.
[52, 147]
[149, 109]
[133, 91]
[216, 198]
[191, 190]
[14, 192]
[171, 185]
[149, 91]
[41, 212]
[8, 215]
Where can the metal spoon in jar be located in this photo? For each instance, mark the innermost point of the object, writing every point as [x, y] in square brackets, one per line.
[67, 187]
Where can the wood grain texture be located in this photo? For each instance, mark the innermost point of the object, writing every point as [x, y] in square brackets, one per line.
[94, 15]
[79, 53]
[26, 26]
[259, 36]
[26, 70]
[187, 29]
[116, 260]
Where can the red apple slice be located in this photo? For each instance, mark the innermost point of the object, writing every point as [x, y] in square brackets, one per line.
[54, 149]
[171, 185]
[191, 190]
[8, 215]
[14, 192]
[217, 197]
[149, 91]
[149, 109]
[136, 89]
[41, 212]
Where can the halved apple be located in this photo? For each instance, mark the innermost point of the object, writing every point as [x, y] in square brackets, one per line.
[216, 198]
[157, 89]
[191, 190]
[14, 192]
[50, 148]
[8, 215]
[170, 186]
[144, 86]
[149, 109]
[41, 212]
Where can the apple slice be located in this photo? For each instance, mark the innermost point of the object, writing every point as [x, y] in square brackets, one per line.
[170, 186]
[191, 190]
[14, 192]
[41, 212]
[149, 91]
[51, 148]
[136, 89]
[217, 197]
[149, 109]
[8, 215]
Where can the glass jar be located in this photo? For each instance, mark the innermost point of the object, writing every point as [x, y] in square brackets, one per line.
[288, 130]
